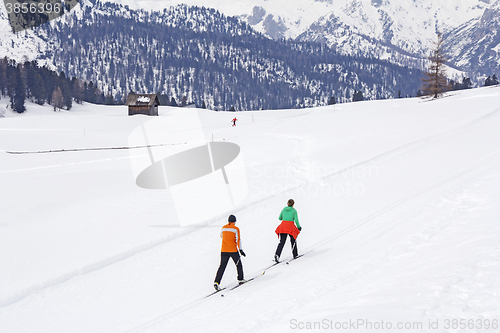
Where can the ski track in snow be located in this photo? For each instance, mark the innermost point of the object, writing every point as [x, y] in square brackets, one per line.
[302, 150]
[418, 144]
[407, 204]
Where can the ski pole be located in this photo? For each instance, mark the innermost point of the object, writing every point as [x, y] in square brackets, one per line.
[294, 245]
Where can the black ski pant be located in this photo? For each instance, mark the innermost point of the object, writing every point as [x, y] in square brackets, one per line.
[224, 258]
[295, 251]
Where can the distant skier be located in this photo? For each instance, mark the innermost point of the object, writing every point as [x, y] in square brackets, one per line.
[231, 243]
[234, 121]
[289, 226]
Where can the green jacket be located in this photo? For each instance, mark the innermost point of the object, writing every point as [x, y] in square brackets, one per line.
[290, 214]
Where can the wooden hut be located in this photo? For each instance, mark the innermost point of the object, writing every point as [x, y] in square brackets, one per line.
[142, 104]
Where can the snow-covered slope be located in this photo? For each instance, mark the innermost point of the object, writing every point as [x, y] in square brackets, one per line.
[402, 32]
[409, 26]
[418, 18]
[477, 42]
[203, 56]
[398, 200]
[26, 45]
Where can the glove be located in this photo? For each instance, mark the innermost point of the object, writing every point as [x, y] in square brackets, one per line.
[300, 228]
[243, 253]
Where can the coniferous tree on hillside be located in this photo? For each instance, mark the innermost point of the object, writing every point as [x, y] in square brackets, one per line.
[29, 81]
[491, 81]
[65, 90]
[108, 100]
[39, 93]
[18, 92]
[89, 92]
[3, 77]
[466, 83]
[358, 96]
[163, 99]
[487, 82]
[77, 90]
[35, 85]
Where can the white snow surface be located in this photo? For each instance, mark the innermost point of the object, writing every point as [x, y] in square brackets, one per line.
[398, 200]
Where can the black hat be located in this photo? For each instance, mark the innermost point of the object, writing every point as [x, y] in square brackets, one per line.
[231, 218]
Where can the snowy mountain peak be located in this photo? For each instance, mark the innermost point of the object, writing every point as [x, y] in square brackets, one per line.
[401, 32]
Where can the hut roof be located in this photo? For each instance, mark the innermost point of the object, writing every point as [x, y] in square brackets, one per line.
[142, 100]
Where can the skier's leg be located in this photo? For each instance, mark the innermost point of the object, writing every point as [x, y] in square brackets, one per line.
[295, 251]
[239, 266]
[224, 258]
[281, 244]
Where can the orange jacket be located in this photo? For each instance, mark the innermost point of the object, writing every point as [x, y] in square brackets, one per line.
[231, 240]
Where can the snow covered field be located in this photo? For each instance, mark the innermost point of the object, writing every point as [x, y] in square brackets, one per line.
[398, 201]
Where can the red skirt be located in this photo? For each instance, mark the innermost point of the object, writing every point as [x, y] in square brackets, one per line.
[287, 227]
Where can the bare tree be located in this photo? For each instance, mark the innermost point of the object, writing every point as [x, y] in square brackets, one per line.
[435, 84]
[57, 100]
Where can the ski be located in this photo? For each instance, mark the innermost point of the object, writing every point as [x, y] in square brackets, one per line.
[287, 261]
[246, 281]
[297, 257]
[274, 264]
[263, 272]
[215, 292]
[240, 284]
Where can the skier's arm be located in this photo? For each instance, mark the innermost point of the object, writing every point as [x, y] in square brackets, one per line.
[238, 240]
[239, 245]
[296, 219]
[241, 250]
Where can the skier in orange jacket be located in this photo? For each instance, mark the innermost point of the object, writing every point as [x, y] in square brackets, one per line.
[231, 248]
[234, 121]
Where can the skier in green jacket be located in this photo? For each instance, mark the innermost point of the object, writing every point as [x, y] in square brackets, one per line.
[289, 226]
